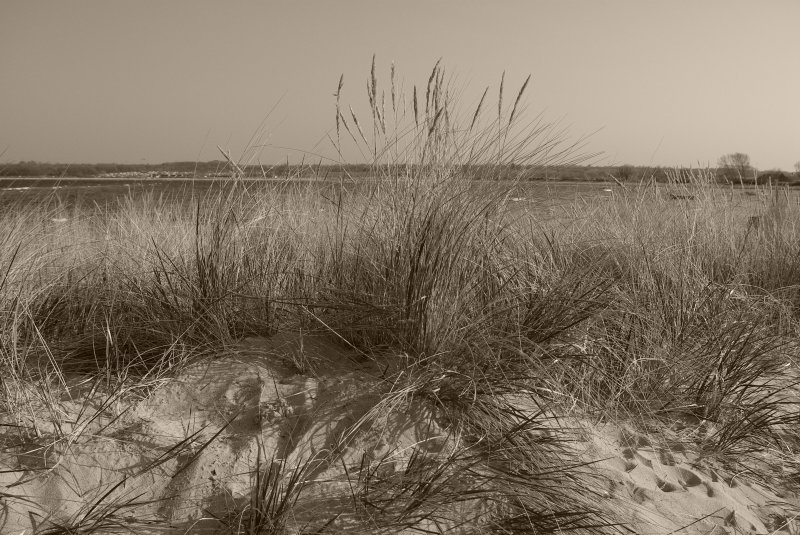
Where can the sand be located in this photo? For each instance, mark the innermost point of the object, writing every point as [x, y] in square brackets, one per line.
[304, 400]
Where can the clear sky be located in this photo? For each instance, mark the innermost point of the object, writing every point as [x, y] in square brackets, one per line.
[677, 82]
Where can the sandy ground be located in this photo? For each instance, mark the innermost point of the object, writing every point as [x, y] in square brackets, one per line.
[153, 463]
[668, 490]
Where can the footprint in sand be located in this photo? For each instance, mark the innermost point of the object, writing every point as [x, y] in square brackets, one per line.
[651, 481]
[730, 519]
[666, 486]
[644, 460]
[634, 440]
[687, 478]
[618, 464]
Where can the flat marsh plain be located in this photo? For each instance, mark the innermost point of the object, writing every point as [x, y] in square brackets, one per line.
[431, 351]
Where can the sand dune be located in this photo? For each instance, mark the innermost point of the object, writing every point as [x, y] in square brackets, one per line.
[182, 457]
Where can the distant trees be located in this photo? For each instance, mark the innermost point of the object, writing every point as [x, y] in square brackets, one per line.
[797, 168]
[734, 167]
[46, 169]
[625, 172]
[774, 176]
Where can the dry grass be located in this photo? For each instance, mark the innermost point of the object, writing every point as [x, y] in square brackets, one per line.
[669, 307]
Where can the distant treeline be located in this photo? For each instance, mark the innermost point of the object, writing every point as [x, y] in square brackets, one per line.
[88, 170]
[220, 168]
[223, 168]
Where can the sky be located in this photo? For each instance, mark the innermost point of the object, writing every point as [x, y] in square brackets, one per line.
[674, 83]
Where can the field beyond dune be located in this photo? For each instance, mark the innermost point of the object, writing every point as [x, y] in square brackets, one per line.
[428, 351]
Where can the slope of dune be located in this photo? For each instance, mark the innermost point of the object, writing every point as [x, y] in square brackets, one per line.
[304, 418]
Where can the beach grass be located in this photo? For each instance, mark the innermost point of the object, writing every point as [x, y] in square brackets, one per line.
[668, 309]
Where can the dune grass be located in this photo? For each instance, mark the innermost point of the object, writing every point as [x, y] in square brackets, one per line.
[662, 307]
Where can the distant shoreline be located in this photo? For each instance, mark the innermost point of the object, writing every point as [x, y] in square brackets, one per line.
[115, 180]
[218, 170]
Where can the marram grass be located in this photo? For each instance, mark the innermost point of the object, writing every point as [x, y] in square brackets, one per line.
[670, 306]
